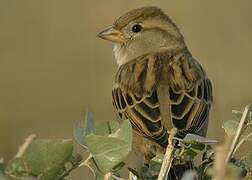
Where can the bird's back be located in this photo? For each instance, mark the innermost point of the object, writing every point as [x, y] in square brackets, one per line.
[187, 98]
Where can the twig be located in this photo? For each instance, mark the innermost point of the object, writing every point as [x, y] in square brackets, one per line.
[242, 141]
[238, 131]
[168, 158]
[67, 172]
[220, 164]
[86, 163]
[75, 162]
[24, 146]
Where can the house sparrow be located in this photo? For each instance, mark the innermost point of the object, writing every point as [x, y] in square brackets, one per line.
[158, 84]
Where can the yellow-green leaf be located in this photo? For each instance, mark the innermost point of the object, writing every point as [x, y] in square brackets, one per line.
[109, 151]
[230, 127]
[44, 158]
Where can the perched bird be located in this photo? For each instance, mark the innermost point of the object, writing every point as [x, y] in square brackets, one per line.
[158, 84]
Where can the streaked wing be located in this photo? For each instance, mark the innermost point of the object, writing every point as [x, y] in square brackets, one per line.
[190, 96]
[190, 109]
[143, 112]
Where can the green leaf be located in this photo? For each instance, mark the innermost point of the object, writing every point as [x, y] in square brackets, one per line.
[192, 145]
[208, 153]
[194, 137]
[191, 153]
[158, 159]
[82, 130]
[230, 127]
[15, 167]
[99, 176]
[156, 162]
[43, 158]
[106, 128]
[109, 151]
[197, 146]
[118, 167]
[25, 177]
[237, 114]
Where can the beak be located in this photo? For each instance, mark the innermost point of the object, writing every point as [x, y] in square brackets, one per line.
[112, 35]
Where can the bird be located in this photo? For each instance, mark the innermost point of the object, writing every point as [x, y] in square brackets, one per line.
[158, 84]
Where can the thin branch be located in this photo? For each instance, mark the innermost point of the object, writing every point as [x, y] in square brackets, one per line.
[24, 146]
[246, 138]
[86, 163]
[239, 131]
[67, 172]
[75, 162]
[168, 158]
[220, 164]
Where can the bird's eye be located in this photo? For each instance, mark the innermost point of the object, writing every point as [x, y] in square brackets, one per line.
[136, 28]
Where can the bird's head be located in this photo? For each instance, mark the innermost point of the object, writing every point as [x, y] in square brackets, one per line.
[142, 31]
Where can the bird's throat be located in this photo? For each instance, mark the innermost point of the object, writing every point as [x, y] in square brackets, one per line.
[124, 54]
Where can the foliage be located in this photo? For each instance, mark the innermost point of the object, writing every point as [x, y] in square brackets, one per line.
[40, 158]
[109, 143]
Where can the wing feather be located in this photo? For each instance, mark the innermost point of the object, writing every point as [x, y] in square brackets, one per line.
[190, 94]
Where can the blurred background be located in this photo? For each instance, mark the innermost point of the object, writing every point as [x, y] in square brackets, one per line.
[52, 65]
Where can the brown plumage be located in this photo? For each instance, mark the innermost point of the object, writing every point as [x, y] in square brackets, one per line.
[135, 94]
[158, 84]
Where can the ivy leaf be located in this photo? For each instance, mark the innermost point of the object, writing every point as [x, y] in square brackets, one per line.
[99, 175]
[191, 153]
[208, 153]
[109, 151]
[106, 128]
[43, 158]
[25, 177]
[196, 138]
[118, 167]
[82, 130]
[237, 114]
[156, 162]
[230, 127]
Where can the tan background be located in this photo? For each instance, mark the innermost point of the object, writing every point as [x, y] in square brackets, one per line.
[52, 65]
